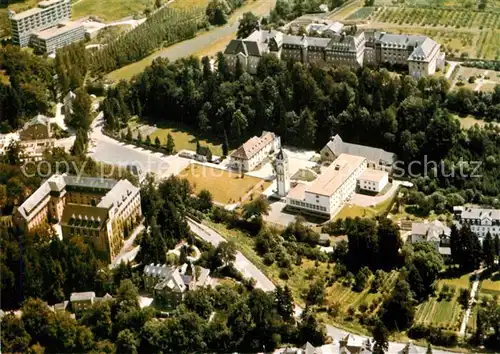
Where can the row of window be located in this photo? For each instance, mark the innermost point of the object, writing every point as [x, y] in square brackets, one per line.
[307, 205]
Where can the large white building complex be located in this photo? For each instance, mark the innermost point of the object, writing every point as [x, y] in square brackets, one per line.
[335, 186]
[481, 221]
[47, 14]
[420, 54]
[46, 27]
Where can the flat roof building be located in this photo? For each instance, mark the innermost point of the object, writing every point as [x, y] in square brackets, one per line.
[49, 40]
[48, 14]
[327, 194]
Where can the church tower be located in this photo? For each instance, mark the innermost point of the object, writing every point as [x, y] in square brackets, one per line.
[282, 177]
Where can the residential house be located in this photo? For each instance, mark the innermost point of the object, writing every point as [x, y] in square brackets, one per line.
[80, 301]
[253, 152]
[169, 284]
[434, 232]
[355, 345]
[37, 128]
[376, 158]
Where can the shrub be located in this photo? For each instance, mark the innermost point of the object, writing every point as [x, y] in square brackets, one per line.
[269, 259]
[284, 274]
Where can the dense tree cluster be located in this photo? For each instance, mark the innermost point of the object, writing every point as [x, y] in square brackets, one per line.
[164, 27]
[29, 90]
[218, 10]
[246, 321]
[480, 104]
[285, 11]
[71, 65]
[42, 266]
[377, 241]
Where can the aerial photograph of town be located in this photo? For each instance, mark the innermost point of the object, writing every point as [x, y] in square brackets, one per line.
[249, 176]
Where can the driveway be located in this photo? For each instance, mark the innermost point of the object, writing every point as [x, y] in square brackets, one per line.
[127, 253]
[241, 263]
[368, 201]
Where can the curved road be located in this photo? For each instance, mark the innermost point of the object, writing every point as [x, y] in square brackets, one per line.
[250, 270]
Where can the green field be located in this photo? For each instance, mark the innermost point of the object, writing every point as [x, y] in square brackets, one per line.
[184, 139]
[110, 10]
[226, 187]
[458, 26]
[361, 14]
[443, 312]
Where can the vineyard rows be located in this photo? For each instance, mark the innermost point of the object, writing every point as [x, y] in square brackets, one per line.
[437, 17]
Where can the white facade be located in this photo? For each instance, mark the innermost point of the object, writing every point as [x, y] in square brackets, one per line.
[481, 221]
[373, 180]
[253, 152]
[335, 186]
[282, 173]
[48, 41]
[48, 13]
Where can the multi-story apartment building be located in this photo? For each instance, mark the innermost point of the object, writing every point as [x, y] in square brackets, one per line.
[100, 210]
[420, 54]
[480, 220]
[49, 40]
[47, 14]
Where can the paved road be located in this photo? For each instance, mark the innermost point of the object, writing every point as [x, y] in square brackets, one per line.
[242, 263]
[105, 149]
[126, 254]
[465, 320]
[198, 43]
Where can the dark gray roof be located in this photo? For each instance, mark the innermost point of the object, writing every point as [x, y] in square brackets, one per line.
[318, 42]
[422, 51]
[236, 46]
[294, 40]
[252, 48]
[480, 213]
[337, 146]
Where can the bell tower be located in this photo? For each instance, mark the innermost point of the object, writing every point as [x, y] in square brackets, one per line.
[282, 177]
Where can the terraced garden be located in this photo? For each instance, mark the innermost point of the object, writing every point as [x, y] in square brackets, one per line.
[444, 310]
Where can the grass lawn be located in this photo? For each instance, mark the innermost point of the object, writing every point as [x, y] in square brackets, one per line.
[346, 11]
[226, 187]
[183, 138]
[469, 121]
[109, 10]
[351, 210]
[188, 4]
[490, 286]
